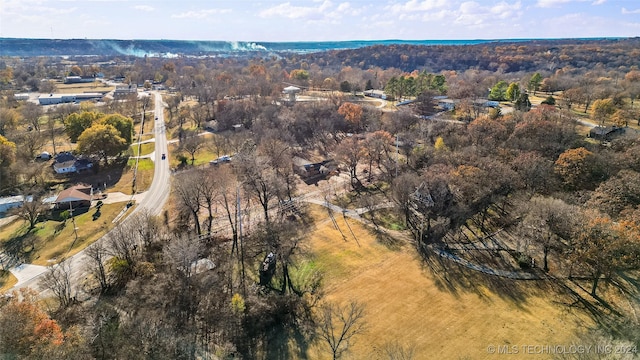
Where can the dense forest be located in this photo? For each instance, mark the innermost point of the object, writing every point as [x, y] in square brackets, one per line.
[530, 180]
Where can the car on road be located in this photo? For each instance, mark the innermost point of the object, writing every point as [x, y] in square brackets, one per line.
[164, 156]
[221, 159]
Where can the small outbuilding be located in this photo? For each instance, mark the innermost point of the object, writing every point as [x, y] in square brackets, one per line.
[44, 156]
[10, 202]
[291, 91]
[379, 94]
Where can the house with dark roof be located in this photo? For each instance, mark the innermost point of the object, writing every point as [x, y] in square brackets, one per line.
[78, 196]
[122, 91]
[66, 163]
[310, 171]
[605, 132]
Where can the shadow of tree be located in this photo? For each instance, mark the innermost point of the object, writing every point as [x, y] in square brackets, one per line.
[20, 248]
[457, 278]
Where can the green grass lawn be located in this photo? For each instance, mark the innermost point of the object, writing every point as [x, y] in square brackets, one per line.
[144, 176]
[145, 149]
[202, 157]
[387, 218]
[53, 240]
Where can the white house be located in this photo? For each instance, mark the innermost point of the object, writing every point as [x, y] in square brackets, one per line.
[67, 163]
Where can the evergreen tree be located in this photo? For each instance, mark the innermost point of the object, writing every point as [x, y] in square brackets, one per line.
[523, 103]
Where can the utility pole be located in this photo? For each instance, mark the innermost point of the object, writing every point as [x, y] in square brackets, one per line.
[239, 211]
[397, 155]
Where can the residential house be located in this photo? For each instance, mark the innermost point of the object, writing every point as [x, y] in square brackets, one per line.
[310, 171]
[66, 163]
[123, 91]
[605, 132]
[78, 196]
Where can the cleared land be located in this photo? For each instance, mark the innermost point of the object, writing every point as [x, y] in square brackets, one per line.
[96, 86]
[441, 309]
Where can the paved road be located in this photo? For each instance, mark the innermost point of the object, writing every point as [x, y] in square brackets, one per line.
[159, 191]
[153, 201]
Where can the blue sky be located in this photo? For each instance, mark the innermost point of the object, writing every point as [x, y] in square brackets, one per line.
[318, 20]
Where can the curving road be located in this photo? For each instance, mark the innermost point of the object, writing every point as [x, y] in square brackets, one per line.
[153, 201]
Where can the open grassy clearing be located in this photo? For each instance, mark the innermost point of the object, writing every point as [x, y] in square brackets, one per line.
[441, 309]
[387, 218]
[96, 86]
[207, 153]
[145, 149]
[144, 177]
[54, 239]
[7, 281]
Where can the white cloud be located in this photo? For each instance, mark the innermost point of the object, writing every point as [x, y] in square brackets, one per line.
[551, 3]
[557, 3]
[298, 12]
[413, 6]
[146, 8]
[627, 12]
[474, 14]
[345, 8]
[200, 14]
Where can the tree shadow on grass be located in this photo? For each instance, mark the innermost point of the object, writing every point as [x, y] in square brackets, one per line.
[21, 247]
[618, 318]
[456, 278]
[286, 343]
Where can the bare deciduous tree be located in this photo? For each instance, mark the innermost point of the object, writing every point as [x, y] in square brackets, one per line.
[340, 324]
[187, 189]
[192, 143]
[58, 280]
[395, 351]
[97, 254]
[122, 243]
[31, 208]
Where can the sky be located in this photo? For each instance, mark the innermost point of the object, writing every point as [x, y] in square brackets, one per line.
[318, 20]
